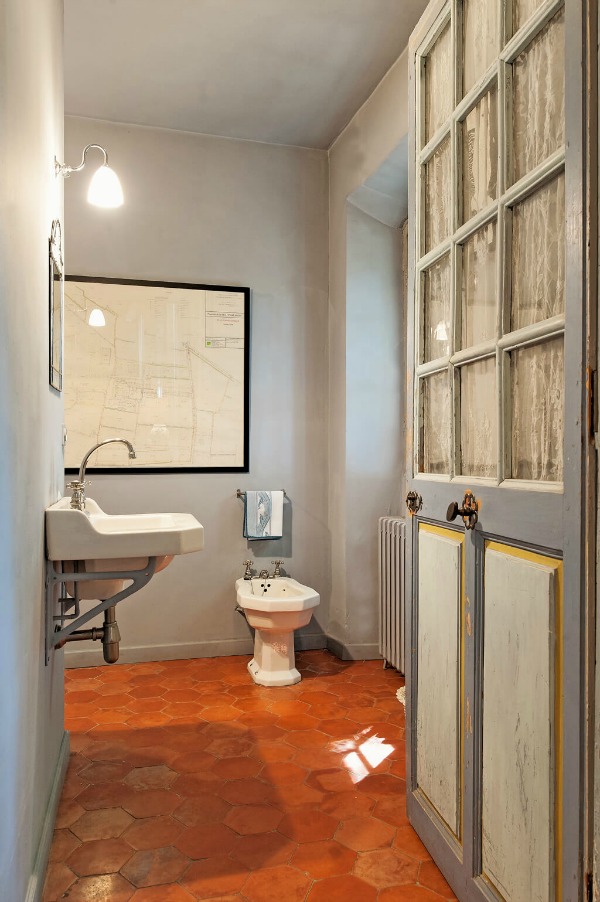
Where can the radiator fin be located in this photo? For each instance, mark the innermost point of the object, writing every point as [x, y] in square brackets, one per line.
[391, 591]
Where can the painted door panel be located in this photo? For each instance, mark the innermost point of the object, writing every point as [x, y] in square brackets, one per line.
[496, 335]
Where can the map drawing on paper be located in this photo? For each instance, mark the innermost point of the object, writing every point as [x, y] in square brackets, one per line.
[166, 371]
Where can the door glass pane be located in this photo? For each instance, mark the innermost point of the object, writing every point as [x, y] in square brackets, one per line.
[523, 10]
[438, 196]
[479, 287]
[436, 419]
[539, 98]
[436, 311]
[480, 39]
[537, 411]
[478, 419]
[438, 77]
[480, 155]
[538, 255]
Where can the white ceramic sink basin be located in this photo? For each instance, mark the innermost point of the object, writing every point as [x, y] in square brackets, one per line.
[74, 535]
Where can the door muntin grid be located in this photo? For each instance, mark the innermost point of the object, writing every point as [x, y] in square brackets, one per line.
[482, 121]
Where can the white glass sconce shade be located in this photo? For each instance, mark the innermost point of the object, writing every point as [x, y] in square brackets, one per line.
[105, 188]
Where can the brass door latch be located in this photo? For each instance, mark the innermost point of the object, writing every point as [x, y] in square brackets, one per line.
[414, 503]
[468, 511]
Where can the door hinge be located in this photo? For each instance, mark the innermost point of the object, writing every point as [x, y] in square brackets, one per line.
[589, 887]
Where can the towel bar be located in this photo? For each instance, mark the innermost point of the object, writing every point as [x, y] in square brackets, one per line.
[240, 494]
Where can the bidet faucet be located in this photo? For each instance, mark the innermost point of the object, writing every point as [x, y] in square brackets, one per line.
[78, 485]
[277, 570]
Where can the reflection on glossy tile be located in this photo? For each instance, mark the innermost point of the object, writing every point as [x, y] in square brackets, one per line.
[220, 789]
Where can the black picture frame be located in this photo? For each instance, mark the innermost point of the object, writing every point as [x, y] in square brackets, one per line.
[55, 307]
[186, 287]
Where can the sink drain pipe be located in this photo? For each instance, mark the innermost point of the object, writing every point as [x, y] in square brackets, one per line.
[109, 635]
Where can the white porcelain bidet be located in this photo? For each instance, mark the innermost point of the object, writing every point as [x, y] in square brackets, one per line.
[275, 607]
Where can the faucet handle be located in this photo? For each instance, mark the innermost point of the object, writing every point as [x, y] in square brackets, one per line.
[247, 571]
[277, 570]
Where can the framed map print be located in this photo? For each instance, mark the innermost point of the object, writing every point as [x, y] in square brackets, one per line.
[162, 364]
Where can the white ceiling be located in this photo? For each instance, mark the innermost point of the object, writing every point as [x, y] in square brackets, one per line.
[279, 71]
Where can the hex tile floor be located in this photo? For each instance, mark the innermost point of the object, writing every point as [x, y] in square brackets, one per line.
[187, 781]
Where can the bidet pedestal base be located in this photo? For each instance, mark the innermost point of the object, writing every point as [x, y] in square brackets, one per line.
[274, 660]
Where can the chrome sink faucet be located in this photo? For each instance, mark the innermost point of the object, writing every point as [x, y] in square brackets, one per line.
[78, 485]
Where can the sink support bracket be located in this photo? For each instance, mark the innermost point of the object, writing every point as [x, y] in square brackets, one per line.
[60, 627]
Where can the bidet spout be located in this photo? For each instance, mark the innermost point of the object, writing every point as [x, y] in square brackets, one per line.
[78, 485]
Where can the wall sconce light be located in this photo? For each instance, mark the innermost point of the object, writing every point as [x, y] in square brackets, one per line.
[105, 188]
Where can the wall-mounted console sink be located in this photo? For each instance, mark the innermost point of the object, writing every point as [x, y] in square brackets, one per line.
[77, 535]
[92, 555]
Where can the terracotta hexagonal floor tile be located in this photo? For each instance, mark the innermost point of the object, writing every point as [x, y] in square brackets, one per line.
[173, 893]
[68, 812]
[406, 840]
[248, 792]
[120, 700]
[408, 894]
[204, 808]
[229, 747]
[346, 804]
[253, 818]
[386, 867]
[197, 761]
[101, 823]
[282, 772]
[206, 840]
[58, 879]
[263, 850]
[324, 859]
[214, 877]
[151, 802]
[431, 878]
[156, 776]
[268, 752]
[316, 759]
[342, 889]
[101, 889]
[338, 728]
[63, 843]
[149, 756]
[330, 779]
[220, 713]
[290, 795]
[155, 866]
[104, 795]
[147, 705]
[151, 719]
[105, 772]
[99, 856]
[391, 810]
[275, 884]
[236, 768]
[191, 785]
[364, 833]
[380, 786]
[293, 722]
[308, 826]
[153, 832]
[308, 739]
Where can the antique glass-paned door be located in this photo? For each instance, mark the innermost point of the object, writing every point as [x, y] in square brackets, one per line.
[495, 572]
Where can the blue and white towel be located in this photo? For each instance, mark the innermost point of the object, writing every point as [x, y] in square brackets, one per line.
[263, 515]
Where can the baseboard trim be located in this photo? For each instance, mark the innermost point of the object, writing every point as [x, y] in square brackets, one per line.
[92, 657]
[367, 651]
[36, 881]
